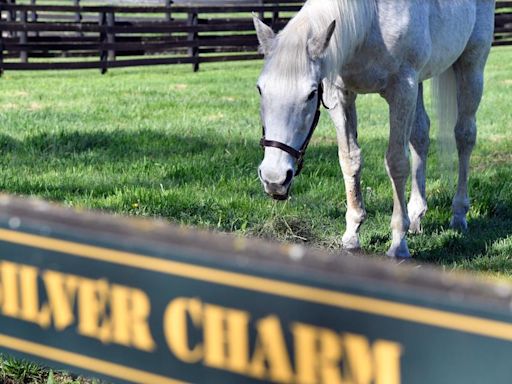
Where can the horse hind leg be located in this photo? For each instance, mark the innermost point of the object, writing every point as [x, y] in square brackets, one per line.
[344, 116]
[418, 144]
[469, 73]
[469, 88]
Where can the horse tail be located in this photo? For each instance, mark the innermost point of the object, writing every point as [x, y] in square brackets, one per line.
[444, 100]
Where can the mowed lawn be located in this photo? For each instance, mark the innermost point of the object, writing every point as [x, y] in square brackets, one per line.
[165, 142]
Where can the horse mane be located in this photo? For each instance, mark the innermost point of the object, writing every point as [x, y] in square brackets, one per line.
[353, 18]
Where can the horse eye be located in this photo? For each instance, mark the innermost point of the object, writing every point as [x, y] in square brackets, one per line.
[259, 89]
[311, 95]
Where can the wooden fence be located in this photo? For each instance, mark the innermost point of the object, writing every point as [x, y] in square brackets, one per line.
[75, 35]
[503, 23]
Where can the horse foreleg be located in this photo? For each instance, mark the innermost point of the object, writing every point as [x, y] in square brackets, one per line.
[401, 96]
[418, 145]
[344, 116]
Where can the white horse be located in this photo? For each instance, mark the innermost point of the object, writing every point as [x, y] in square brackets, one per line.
[374, 46]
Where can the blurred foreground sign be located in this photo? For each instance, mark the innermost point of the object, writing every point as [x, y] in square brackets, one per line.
[142, 302]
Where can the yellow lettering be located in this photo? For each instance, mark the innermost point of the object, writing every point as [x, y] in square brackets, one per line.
[271, 348]
[176, 328]
[387, 362]
[10, 292]
[379, 364]
[360, 358]
[331, 354]
[130, 311]
[305, 339]
[318, 355]
[110, 313]
[61, 291]
[93, 298]
[226, 338]
[120, 314]
[29, 294]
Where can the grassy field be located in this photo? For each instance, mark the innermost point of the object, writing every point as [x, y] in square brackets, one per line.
[166, 142]
[14, 371]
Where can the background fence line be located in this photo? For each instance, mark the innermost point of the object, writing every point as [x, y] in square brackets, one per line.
[35, 35]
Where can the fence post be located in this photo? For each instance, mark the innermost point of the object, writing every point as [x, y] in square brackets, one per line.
[168, 15]
[1, 44]
[78, 15]
[275, 18]
[102, 21]
[193, 51]
[262, 13]
[33, 16]
[1, 53]
[11, 17]
[23, 36]
[111, 35]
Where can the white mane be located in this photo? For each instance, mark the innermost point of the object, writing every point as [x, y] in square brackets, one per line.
[353, 20]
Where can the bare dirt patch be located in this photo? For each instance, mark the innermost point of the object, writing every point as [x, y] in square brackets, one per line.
[216, 117]
[20, 94]
[35, 106]
[8, 106]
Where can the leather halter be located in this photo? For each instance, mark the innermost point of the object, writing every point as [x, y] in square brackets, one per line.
[298, 155]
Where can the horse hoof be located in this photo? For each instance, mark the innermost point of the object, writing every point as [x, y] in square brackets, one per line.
[351, 243]
[459, 223]
[417, 210]
[415, 227]
[399, 251]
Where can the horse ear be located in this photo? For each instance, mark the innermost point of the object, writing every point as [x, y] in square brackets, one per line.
[265, 35]
[318, 44]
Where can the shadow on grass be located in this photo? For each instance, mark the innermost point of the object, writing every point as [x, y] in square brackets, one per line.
[153, 159]
[450, 247]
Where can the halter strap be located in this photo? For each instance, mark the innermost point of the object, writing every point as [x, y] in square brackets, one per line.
[298, 155]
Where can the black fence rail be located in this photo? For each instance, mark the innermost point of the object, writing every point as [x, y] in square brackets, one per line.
[71, 34]
[503, 23]
[40, 36]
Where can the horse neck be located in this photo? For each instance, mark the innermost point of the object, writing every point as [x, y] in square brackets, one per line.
[354, 19]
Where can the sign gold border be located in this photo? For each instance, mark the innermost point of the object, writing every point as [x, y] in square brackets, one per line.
[85, 362]
[411, 313]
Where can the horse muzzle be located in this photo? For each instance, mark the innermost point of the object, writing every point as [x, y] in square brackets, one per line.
[277, 189]
[280, 196]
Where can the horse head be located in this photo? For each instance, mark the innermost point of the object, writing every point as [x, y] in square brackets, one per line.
[290, 87]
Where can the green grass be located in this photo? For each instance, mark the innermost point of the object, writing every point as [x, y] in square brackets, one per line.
[15, 371]
[165, 142]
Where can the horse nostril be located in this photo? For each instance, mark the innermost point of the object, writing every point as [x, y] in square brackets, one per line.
[289, 177]
[259, 174]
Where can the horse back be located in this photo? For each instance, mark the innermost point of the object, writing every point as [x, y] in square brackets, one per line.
[428, 35]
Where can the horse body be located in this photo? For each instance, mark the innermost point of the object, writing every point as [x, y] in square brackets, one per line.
[377, 46]
[416, 38]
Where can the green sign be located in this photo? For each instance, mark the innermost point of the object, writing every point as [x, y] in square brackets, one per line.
[140, 302]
